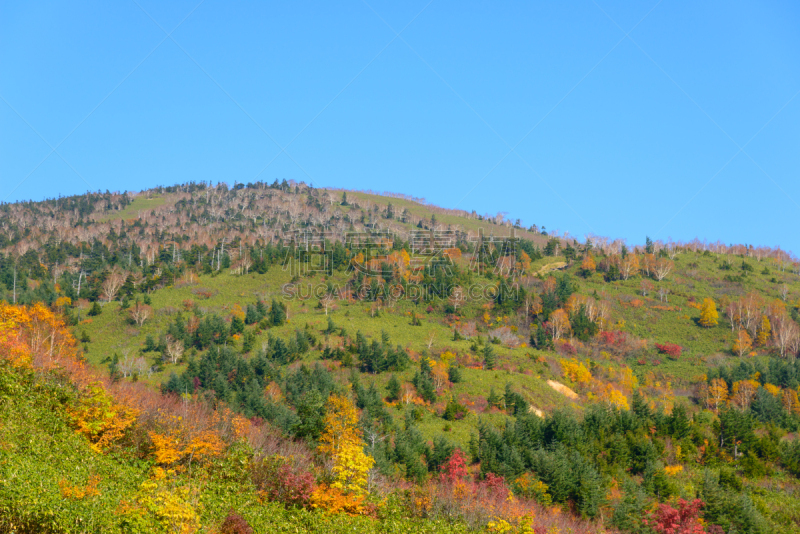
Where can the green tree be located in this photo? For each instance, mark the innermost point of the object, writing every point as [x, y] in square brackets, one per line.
[95, 310]
[489, 358]
[393, 389]
[277, 313]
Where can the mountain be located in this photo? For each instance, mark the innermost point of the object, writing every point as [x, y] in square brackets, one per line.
[400, 365]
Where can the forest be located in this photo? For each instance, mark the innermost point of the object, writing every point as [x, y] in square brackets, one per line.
[259, 357]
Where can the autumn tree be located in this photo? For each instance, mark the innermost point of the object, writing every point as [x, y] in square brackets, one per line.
[559, 324]
[341, 439]
[790, 401]
[742, 343]
[764, 331]
[612, 397]
[716, 394]
[743, 392]
[629, 266]
[100, 418]
[575, 371]
[708, 314]
[588, 265]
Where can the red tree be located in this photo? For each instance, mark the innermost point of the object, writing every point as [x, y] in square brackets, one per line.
[683, 520]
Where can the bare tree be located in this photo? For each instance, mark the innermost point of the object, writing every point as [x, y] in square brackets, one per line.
[328, 302]
[431, 338]
[628, 266]
[457, 297]
[646, 287]
[112, 285]
[661, 268]
[174, 349]
[125, 365]
[784, 330]
[663, 294]
[139, 313]
[559, 324]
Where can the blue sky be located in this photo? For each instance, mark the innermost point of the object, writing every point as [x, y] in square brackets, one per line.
[687, 127]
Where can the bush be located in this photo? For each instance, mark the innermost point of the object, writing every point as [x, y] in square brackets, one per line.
[281, 481]
[672, 350]
[455, 411]
[235, 524]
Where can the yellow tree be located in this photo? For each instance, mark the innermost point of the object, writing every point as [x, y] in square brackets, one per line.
[742, 343]
[97, 416]
[613, 397]
[743, 393]
[629, 266]
[764, 330]
[342, 440]
[716, 394]
[790, 401]
[708, 314]
[575, 371]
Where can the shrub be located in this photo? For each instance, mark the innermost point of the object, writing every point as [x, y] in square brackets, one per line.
[455, 411]
[683, 520]
[235, 524]
[281, 481]
[672, 350]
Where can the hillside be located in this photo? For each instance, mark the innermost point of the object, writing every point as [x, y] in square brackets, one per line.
[585, 385]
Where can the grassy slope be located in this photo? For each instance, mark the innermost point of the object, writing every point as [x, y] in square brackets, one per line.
[132, 210]
[111, 333]
[696, 276]
[40, 452]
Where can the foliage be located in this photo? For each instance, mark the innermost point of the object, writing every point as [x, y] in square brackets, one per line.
[670, 349]
[341, 439]
[708, 314]
[682, 520]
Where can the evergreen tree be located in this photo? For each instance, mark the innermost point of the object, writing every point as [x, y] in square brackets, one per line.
[679, 425]
[583, 327]
[393, 389]
[95, 310]
[493, 400]
[237, 325]
[454, 374]
[489, 358]
[277, 313]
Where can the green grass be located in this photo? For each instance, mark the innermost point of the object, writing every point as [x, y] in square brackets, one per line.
[420, 210]
[696, 276]
[40, 452]
[132, 210]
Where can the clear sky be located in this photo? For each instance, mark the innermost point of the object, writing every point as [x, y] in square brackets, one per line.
[623, 119]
